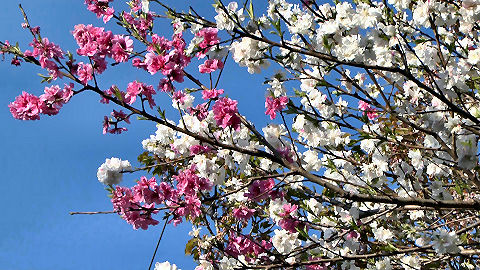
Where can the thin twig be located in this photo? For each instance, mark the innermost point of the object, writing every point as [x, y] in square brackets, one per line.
[93, 213]
[158, 243]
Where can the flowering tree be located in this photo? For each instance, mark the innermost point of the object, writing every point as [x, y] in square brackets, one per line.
[370, 160]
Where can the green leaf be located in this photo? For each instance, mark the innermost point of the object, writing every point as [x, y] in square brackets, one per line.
[327, 45]
[45, 78]
[322, 83]
[464, 238]
[299, 93]
[250, 10]
[451, 47]
[277, 27]
[117, 93]
[328, 192]
[420, 41]
[297, 193]
[146, 159]
[191, 244]
[365, 118]
[389, 248]
[161, 113]
[302, 234]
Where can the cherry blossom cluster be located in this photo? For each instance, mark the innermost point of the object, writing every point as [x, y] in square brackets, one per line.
[97, 44]
[166, 56]
[101, 8]
[110, 172]
[46, 52]
[30, 107]
[137, 204]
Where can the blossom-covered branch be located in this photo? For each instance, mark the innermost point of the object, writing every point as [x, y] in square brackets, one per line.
[370, 156]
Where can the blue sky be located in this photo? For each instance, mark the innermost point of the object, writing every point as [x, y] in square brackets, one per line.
[49, 166]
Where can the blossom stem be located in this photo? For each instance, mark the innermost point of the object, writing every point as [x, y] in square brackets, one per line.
[158, 243]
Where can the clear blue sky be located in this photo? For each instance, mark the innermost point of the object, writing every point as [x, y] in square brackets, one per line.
[49, 166]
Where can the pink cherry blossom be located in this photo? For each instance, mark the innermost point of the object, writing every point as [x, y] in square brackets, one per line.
[141, 23]
[167, 192]
[225, 113]
[243, 213]
[35, 30]
[199, 149]
[211, 93]
[117, 130]
[128, 206]
[289, 224]
[173, 68]
[5, 46]
[165, 85]
[242, 245]
[52, 68]
[353, 235]
[136, 5]
[165, 56]
[92, 40]
[122, 47]
[97, 43]
[99, 64]
[192, 206]
[121, 116]
[85, 72]
[54, 98]
[288, 209]
[159, 44]
[322, 266]
[137, 204]
[108, 14]
[109, 92]
[25, 107]
[179, 44]
[154, 62]
[188, 208]
[100, 8]
[46, 51]
[275, 105]
[136, 88]
[286, 152]
[179, 97]
[200, 111]
[148, 91]
[105, 125]
[15, 61]
[367, 108]
[362, 105]
[133, 90]
[260, 189]
[210, 66]
[111, 126]
[138, 63]
[188, 182]
[210, 38]
[146, 190]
